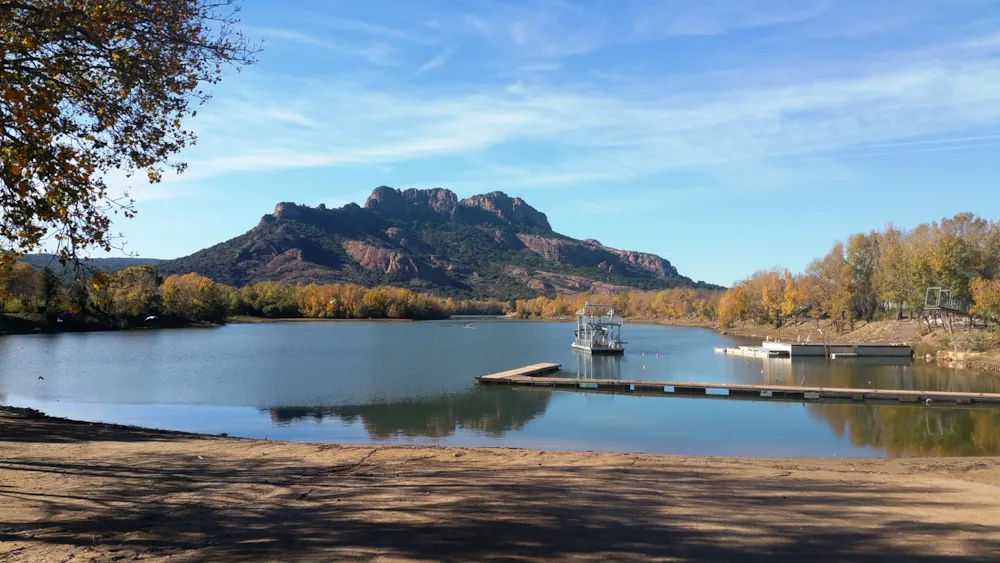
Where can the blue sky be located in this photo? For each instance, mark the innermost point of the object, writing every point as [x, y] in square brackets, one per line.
[725, 136]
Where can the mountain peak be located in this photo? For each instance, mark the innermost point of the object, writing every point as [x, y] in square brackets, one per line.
[508, 210]
[413, 203]
[441, 204]
[287, 210]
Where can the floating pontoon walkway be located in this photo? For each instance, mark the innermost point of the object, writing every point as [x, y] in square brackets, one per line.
[795, 349]
[751, 352]
[516, 378]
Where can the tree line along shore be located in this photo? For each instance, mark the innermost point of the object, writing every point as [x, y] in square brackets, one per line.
[877, 276]
[138, 297]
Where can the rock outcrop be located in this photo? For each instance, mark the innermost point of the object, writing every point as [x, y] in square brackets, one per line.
[413, 204]
[508, 210]
[592, 254]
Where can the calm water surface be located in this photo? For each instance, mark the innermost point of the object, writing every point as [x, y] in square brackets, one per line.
[413, 383]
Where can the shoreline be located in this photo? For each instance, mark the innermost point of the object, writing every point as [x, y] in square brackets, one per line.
[111, 491]
[16, 326]
[243, 319]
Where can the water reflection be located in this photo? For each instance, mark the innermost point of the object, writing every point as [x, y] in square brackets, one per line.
[488, 410]
[414, 381]
[914, 431]
[899, 431]
[869, 373]
[590, 366]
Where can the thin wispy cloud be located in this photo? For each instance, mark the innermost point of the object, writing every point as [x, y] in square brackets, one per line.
[438, 61]
[910, 151]
[949, 141]
[374, 53]
[586, 130]
[477, 24]
[367, 28]
[672, 18]
[624, 134]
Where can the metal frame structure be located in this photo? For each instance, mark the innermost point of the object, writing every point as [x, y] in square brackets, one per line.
[940, 298]
[941, 308]
[937, 297]
[598, 330]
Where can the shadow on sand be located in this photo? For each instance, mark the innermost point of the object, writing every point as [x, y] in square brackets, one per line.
[246, 500]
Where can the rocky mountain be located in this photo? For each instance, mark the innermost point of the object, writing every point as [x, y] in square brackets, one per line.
[489, 245]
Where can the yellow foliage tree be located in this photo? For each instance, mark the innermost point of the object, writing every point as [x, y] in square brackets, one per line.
[17, 283]
[131, 292]
[985, 298]
[772, 296]
[92, 86]
[792, 301]
[194, 297]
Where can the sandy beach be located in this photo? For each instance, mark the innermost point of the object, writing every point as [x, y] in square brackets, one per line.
[95, 492]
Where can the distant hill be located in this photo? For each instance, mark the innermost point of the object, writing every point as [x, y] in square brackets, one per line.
[489, 245]
[40, 261]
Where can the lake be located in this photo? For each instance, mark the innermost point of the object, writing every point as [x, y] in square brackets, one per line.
[412, 383]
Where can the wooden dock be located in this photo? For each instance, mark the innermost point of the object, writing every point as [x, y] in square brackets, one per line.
[518, 378]
[527, 371]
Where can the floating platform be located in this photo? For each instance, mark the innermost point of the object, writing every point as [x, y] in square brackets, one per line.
[598, 350]
[793, 349]
[835, 351]
[752, 352]
[516, 378]
[526, 371]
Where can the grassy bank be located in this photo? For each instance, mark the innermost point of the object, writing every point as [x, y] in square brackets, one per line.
[111, 492]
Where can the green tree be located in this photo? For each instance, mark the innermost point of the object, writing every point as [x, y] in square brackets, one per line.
[48, 285]
[78, 297]
[88, 87]
[952, 266]
[842, 301]
[890, 280]
[862, 258]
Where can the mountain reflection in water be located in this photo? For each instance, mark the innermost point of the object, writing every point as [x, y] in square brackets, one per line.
[490, 411]
[413, 382]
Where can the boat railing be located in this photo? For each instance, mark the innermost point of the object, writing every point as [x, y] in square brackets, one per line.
[602, 319]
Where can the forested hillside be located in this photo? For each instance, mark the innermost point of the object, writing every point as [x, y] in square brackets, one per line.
[881, 274]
